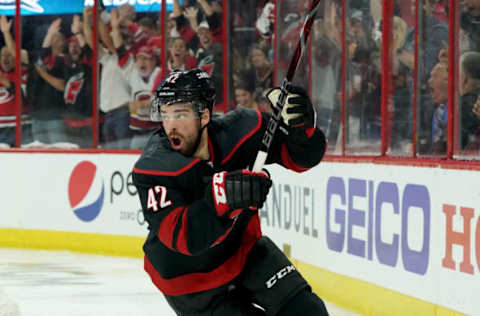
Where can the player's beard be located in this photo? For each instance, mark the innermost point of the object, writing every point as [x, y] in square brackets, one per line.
[190, 143]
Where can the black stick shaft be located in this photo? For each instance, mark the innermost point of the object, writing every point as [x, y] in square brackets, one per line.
[275, 119]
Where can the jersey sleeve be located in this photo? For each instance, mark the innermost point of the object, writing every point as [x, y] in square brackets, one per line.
[188, 228]
[187, 33]
[298, 152]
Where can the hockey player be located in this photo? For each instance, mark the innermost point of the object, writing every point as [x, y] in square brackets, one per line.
[205, 250]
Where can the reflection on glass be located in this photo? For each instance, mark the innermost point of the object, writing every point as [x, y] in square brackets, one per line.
[468, 111]
[289, 24]
[252, 58]
[363, 77]
[403, 67]
[326, 72]
[7, 89]
[59, 84]
[130, 55]
[432, 80]
[199, 24]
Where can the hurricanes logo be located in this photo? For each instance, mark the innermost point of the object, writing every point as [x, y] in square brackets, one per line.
[86, 191]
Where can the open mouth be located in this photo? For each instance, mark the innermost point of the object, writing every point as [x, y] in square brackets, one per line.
[176, 142]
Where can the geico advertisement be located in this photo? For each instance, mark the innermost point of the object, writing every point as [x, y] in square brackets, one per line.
[412, 230]
[84, 193]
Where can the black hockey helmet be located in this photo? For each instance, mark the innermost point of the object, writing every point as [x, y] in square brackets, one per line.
[184, 86]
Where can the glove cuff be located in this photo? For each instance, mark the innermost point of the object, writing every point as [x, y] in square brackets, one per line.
[219, 193]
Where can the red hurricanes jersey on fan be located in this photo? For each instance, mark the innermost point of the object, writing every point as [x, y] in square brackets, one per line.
[7, 99]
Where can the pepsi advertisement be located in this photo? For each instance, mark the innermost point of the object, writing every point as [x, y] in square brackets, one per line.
[57, 7]
[85, 205]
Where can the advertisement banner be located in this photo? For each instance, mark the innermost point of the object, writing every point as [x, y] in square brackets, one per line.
[58, 7]
[411, 230]
[78, 193]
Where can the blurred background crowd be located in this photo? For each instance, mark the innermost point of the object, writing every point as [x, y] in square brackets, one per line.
[349, 72]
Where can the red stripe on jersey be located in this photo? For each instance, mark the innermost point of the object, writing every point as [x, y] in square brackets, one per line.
[221, 238]
[244, 138]
[289, 163]
[182, 235]
[167, 173]
[235, 213]
[167, 227]
[202, 281]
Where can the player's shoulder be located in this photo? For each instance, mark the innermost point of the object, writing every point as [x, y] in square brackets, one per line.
[159, 160]
[236, 128]
[240, 120]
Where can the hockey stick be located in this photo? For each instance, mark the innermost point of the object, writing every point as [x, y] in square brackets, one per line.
[274, 121]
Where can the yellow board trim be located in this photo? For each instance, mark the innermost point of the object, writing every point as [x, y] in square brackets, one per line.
[113, 245]
[366, 298]
[358, 296]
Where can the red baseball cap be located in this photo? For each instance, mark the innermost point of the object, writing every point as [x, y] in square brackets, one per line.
[146, 50]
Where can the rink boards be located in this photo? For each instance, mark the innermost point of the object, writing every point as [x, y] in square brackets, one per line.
[375, 239]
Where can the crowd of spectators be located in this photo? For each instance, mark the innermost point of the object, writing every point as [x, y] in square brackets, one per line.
[252, 60]
[57, 77]
[57, 84]
[8, 110]
[363, 76]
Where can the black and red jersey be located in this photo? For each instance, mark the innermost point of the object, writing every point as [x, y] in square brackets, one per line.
[190, 247]
[78, 90]
[189, 35]
[7, 98]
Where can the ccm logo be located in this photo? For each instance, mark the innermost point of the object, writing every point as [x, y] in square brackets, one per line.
[279, 275]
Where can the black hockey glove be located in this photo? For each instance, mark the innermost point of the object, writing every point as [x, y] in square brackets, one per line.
[298, 111]
[240, 189]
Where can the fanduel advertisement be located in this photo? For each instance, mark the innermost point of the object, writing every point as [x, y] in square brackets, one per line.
[57, 7]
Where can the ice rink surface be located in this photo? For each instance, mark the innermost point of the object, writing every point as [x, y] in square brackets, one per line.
[60, 283]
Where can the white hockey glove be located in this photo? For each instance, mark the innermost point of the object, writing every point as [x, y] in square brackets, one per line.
[298, 111]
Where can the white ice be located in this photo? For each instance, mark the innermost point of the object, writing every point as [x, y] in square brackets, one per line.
[50, 283]
[61, 283]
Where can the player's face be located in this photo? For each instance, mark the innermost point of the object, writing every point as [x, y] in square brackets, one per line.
[182, 125]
